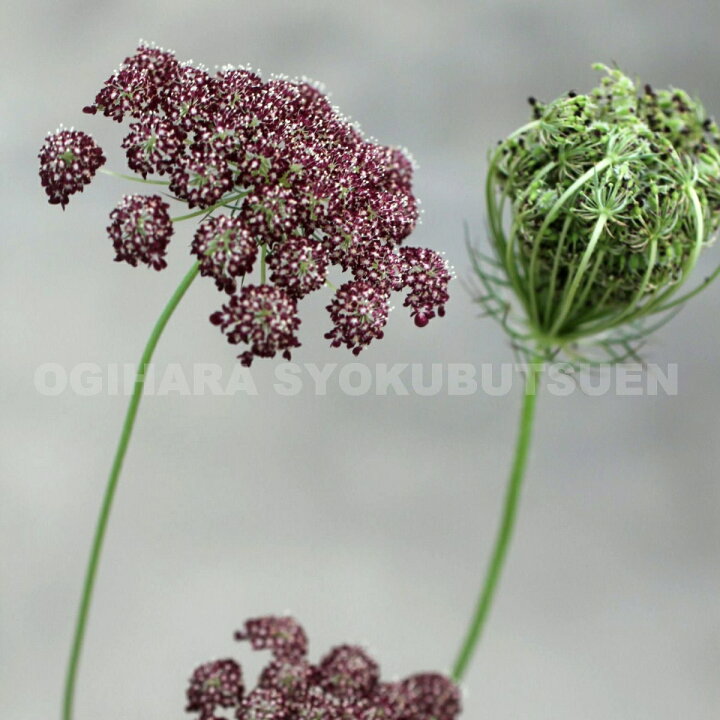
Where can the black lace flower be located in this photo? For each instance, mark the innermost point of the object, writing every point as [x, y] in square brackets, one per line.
[68, 161]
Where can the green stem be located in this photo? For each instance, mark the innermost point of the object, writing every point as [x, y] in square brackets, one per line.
[134, 178]
[263, 268]
[502, 540]
[206, 211]
[102, 521]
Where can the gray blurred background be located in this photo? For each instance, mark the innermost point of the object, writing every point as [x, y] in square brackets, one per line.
[369, 518]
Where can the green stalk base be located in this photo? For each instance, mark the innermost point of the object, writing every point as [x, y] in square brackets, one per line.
[104, 516]
[507, 524]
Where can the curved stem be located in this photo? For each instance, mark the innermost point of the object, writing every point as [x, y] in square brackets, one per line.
[502, 540]
[102, 521]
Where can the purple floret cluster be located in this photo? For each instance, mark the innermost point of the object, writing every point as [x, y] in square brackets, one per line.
[283, 177]
[344, 685]
[69, 160]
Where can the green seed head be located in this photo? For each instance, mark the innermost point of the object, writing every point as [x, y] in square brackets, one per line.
[598, 210]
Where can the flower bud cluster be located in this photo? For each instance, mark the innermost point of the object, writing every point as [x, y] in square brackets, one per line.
[612, 194]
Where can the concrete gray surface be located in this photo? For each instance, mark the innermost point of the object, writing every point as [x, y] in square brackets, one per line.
[370, 518]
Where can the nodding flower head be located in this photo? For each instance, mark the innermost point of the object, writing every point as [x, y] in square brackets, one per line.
[68, 161]
[344, 685]
[609, 198]
[297, 185]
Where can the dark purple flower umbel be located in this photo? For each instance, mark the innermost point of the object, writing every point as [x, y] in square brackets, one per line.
[140, 228]
[153, 146]
[298, 265]
[289, 189]
[201, 177]
[427, 695]
[348, 671]
[68, 161]
[359, 312]
[263, 704]
[344, 685]
[427, 275]
[215, 685]
[283, 636]
[139, 86]
[263, 317]
[292, 678]
[226, 250]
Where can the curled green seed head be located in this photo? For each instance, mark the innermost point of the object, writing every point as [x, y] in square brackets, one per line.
[598, 210]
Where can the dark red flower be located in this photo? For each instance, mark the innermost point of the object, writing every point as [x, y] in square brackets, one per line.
[68, 161]
[359, 312]
[153, 146]
[298, 265]
[238, 91]
[345, 685]
[427, 275]
[191, 101]
[377, 264]
[140, 228]
[348, 671]
[282, 635]
[291, 678]
[215, 685]
[428, 696]
[300, 179]
[201, 177]
[263, 704]
[226, 250]
[274, 212]
[263, 317]
[138, 87]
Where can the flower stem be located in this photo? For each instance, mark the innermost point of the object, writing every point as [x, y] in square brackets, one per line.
[134, 178]
[224, 202]
[502, 540]
[102, 521]
[263, 268]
